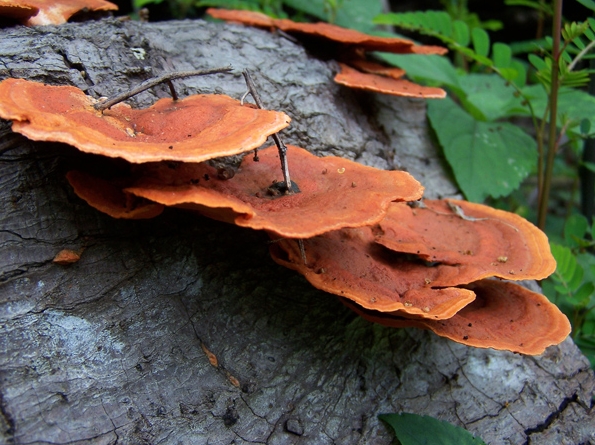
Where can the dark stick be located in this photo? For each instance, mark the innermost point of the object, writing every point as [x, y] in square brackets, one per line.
[166, 78]
[280, 145]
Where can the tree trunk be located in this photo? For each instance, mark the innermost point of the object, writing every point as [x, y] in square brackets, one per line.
[182, 329]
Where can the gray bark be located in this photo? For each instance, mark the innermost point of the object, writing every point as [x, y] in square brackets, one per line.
[111, 349]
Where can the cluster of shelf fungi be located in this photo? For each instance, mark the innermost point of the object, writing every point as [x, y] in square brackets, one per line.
[358, 232]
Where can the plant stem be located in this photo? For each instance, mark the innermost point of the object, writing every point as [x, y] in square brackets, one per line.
[553, 101]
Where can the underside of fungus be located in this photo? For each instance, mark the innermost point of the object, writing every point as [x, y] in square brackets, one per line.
[50, 12]
[348, 263]
[334, 192]
[192, 129]
[503, 316]
[108, 196]
[479, 240]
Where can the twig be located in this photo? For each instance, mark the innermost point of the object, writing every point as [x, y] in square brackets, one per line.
[280, 145]
[166, 78]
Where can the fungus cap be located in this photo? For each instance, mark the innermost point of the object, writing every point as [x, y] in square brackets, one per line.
[370, 67]
[107, 197]
[479, 240]
[50, 12]
[504, 316]
[193, 129]
[250, 18]
[348, 263]
[380, 84]
[334, 192]
[327, 31]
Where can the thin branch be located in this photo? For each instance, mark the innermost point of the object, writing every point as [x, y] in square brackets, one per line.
[166, 78]
[280, 145]
[580, 55]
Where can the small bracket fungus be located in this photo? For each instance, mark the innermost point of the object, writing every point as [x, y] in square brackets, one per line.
[478, 240]
[66, 257]
[504, 316]
[108, 197]
[387, 85]
[350, 264]
[370, 67]
[193, 129]
[326, 201]
[50, 12]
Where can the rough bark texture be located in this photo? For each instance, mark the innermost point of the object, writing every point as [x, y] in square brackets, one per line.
[113, 349]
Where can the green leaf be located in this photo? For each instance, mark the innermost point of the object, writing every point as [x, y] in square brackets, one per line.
[569, 273]
[585, 127]
[460, 32]
[481, 41]
[138, 4]
[487, 158]
[413, 429]
[575, 228]
[588, 4]
[356, 14]
[537, 62]
[437, 70]
[491, 95]
[501, 54]
[583, 294]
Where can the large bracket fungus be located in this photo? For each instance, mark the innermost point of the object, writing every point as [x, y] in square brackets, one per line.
[193, 129]
[348, 263]
[334, 192]
[479, 240]
[503, 316]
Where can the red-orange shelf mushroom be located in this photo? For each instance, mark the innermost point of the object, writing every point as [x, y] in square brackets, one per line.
[504, 316]
[348, 263]
[108, 197]
[334, 192]
[479, 240]
[50, 12]
[327, 31]
[387, 85]
[192, 129]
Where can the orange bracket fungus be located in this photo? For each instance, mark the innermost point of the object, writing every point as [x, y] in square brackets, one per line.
[66, 257]
[192, 129]
[334, 192]
[348, 263]
[108, 197]
[387, 85]
[50, 12]
[477, 240]
[349, 46]
[328, 32]
[503, 316]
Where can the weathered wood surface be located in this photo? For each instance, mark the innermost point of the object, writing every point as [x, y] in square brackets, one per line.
[110, 349]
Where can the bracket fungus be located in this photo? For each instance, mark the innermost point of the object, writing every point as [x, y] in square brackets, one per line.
[348, 46]
[334, 192]
[108, 197]
[348, 263]
[503, 316]
[478, 240]
[328, 32]
[353, 78]
[50, 12]
[193, 129]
